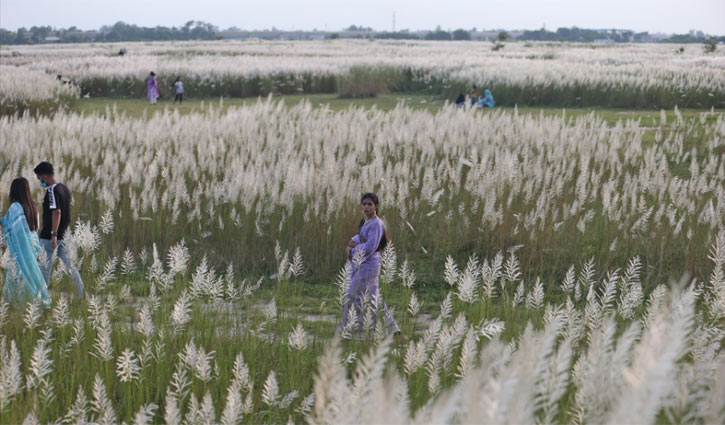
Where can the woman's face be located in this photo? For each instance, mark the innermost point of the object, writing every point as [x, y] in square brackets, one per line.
[368, 207]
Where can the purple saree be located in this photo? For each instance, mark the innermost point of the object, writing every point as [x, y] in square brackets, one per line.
[363, 296]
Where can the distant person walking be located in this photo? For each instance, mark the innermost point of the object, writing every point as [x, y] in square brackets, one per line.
[152, 88]
[179, 86]
[23, 280]
[56, 219]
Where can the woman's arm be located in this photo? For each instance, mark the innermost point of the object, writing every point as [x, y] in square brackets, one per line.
[372, 236]
[354, 241]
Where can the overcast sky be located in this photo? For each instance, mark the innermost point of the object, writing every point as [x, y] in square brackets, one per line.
[640, 15]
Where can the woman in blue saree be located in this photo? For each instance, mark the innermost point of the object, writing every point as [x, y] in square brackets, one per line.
[363, 256]
[486, 100]
[24, 281]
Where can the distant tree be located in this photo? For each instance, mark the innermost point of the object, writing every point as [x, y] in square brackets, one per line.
[7, 37]
[20, 36]
[400, 35]
[641, 37]
[358, 28]
[709, 46]
[461, 34]
[438, 34]
[503, 36]
[334, 36]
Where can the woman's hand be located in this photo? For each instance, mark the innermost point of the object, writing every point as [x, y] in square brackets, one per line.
[351, 244]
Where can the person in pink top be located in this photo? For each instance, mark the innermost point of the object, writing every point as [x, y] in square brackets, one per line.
[152, 88]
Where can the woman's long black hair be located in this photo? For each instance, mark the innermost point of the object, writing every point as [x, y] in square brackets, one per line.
[385, 239]
[20, 192]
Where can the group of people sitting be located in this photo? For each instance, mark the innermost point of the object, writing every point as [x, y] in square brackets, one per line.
[476, 100]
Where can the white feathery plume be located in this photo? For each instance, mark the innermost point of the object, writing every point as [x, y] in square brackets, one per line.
[451, 272]
[11, 377]
[298, 338]
[536, 297]
[145, 414]
[270, 391]
[330, 388]
[106, 224]
[181, 314]
[31, 419]
[102, 345]
[128, 264]
[180, 383]
[178, 259]
[388, 264]
[468, 354]
[156, 271]
[288, 399]
[413, 304]
[108, 271]
[468, 281]
[78, 413]
[650, 378]
[207, 414]
[407, 275]
[172, 413]
[270, 310]
[41, 365]
[519, 295]
[567, 285]
[655, 303]
[490, 328]
[60, 315]
[490, 274]
[306, 405]
[127, 366]
[296, 267]
[446, 307]
[232, 413]
[4, 307]
[79, 334]
[343, 284]
[101, 405]
[145, 324]
[33, 311]
[512, 269]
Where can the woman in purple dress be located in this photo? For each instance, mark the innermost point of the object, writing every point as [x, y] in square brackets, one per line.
[364, 303]
[152, 88]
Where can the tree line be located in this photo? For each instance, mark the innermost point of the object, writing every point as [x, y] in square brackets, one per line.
[120, 31]
[197, 30]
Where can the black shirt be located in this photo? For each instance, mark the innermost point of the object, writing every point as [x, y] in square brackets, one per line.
[57, 197]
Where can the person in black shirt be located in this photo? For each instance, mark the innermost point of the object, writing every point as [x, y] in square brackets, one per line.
[56, 218]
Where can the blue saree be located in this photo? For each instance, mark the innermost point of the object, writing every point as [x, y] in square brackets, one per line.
[23, 280]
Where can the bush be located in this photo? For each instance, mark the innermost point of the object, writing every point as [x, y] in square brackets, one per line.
[365, 81]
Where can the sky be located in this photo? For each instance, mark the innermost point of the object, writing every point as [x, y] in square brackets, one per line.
[667, 16]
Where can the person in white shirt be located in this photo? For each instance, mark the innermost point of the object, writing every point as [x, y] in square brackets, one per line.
[179, 90]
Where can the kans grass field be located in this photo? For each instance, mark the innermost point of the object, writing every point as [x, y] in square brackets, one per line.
[557, 259]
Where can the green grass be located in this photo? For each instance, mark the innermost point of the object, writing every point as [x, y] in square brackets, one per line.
[135, 108]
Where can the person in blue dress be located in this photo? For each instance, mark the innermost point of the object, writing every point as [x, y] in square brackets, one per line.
[24, 281]
[487, 100]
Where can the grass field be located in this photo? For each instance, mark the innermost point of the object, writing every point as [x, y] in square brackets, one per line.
[385, 102]
[549, 265]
